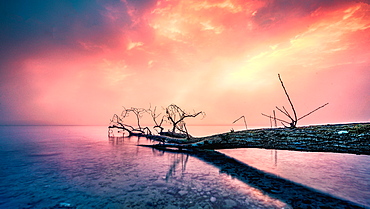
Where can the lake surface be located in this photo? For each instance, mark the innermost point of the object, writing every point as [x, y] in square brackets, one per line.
[51, 166]
[346, 176]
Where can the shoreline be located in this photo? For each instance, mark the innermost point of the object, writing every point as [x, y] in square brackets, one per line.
[351, 138]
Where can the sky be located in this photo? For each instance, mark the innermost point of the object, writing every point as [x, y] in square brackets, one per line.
[68, 62]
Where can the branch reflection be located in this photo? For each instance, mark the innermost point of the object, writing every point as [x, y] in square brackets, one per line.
[178, 158]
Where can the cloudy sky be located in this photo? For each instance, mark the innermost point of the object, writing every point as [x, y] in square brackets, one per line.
[67, 62]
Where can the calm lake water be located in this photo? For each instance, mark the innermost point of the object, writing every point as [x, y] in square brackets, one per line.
[51, 166]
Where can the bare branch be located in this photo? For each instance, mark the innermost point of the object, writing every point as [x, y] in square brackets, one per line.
[275, 118]
[293, 119]
[176, 116]
[117, 121]
[290, 101]
[287, 113]
[284, 125]
[245, 122]
[154, 116]
[270, 121]
[313, 111]
[284, 112]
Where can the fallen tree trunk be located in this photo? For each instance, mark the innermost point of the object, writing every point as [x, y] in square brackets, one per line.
[175, 135]
[340, 138]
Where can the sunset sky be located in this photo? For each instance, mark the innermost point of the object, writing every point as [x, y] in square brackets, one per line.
[78, 62]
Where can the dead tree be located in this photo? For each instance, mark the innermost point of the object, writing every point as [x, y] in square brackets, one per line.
[176, 116]
[117, 122]
[293, 118]
[245, 122]
[138, 112]
[155, 116]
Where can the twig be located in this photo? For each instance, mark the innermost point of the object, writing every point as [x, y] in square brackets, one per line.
[313, 111]
[275, 118]
[270, 121]
[290, 101]
[284, 112]
[245, 122]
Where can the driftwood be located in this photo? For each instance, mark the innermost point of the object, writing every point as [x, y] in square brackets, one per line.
[175, 135]
[293, 118]
[176, 116]
[173, 115]
[320, 138]
[117, 122]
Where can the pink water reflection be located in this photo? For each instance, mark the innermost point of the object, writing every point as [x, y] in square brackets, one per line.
[343, 175]
[83, 167]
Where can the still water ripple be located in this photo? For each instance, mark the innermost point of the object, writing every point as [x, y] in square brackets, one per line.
[78, 166]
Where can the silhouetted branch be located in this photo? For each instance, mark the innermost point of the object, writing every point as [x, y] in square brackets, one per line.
[270, 121]
[154, 116]
[293, 119]
[176, 117]
[138, 112]
[117, 122]
[290, 101]
[284, 112]
[269, 116]
[245, 122]
[313, 111]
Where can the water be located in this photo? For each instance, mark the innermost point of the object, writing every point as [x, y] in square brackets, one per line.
[47, 167]
[343, 175]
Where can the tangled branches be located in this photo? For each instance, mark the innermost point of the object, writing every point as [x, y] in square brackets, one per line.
[173, 115]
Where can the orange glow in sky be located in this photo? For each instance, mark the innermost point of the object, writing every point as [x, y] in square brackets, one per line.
[79, 63]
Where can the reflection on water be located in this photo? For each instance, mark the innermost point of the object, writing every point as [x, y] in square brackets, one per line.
[342, 175]
[42, 167]
[46, 167]
[178, 158]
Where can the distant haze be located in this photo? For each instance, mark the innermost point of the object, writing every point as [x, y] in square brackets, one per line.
[78, 62]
